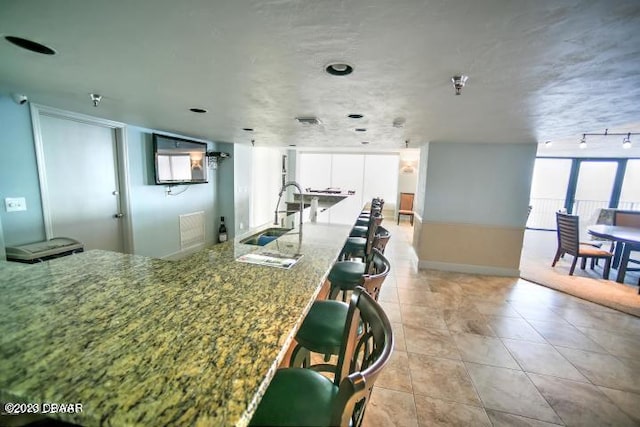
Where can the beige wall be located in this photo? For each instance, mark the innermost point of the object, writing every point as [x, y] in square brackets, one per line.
[472, 248]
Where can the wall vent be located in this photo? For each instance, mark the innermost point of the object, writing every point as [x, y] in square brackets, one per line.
[192, 230]
[309, 121]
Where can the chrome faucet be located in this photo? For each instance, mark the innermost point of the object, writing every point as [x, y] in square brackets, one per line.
[284, 187]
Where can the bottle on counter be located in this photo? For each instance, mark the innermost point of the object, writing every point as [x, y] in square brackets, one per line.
[222, 231]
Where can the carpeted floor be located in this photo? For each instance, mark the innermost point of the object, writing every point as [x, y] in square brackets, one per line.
[535, 265]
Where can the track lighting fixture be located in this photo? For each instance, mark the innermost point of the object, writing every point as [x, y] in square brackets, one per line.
[626, 140]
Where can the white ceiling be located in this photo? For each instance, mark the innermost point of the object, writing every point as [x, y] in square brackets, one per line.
[538, 70]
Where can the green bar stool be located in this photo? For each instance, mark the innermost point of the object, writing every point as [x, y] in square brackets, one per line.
[375, 202]
[360, 247]
[303, 397]
[345, 280]
[358, 231]
[321, 330]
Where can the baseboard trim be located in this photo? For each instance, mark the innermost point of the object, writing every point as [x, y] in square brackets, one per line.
[469, 268]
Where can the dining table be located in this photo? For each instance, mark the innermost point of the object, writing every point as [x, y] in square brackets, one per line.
[626, 238]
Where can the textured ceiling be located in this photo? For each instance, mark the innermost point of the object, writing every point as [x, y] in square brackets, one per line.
[539, 70]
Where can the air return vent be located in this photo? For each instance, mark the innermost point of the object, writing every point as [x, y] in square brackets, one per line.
[191, 230]
[309, 121]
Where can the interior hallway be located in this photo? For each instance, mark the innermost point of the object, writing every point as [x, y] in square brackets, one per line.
[478, 350]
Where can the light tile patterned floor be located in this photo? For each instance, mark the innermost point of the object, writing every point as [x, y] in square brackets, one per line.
[479, 351]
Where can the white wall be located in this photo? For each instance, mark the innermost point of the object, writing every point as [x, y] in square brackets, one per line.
[418, 203]
[478, 183]
[242, 180]
[408, 170]
[266, 183]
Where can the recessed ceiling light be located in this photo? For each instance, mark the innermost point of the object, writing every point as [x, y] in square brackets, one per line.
[364, 142]
[339, 69]
[361, 130]
[355, 116]
[247, 129]
[197, 110]
[30, 45]
[398, 122]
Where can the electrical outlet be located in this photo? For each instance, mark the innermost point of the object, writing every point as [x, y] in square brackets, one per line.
[14, 204]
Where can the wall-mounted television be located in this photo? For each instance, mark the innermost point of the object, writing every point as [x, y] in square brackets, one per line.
[179, 161]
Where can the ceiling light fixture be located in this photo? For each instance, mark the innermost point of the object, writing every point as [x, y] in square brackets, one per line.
[30, 45]
[198, 110]
[626, 140]
[95, 98]
[459, 82]
[339, 69]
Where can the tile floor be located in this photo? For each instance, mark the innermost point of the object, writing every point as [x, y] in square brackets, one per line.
[476, 350]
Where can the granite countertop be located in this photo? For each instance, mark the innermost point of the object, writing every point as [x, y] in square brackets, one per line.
[143, 341]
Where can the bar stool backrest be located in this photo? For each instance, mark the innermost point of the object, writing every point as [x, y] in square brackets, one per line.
[374, 221]
[366, 349]
[379, 270]
[381, 239]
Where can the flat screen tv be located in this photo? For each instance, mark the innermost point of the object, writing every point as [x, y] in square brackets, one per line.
[179, 161]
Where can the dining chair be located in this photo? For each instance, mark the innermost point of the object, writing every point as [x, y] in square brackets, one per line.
[304, 397]
[406, 206]
[569, 242]
[628, 219]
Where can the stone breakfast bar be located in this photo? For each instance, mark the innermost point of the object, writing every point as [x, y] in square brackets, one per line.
[143, 341]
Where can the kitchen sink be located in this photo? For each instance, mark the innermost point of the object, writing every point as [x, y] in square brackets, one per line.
[265, 236]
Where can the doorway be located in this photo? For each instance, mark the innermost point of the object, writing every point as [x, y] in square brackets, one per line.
[82, 178]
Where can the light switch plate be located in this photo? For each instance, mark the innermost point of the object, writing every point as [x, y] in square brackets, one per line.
[14, 204]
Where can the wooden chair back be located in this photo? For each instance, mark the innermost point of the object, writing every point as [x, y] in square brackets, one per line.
[627, 218]
[568, 233]
[406, 202]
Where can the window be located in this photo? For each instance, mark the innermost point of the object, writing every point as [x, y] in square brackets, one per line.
[630, 193]
[548, 191]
